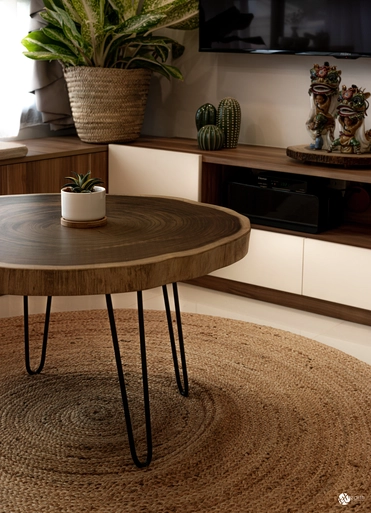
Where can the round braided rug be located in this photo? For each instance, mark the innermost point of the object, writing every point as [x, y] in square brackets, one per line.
[274, 422]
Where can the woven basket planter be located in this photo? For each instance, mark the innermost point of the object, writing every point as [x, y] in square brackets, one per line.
[107, 104]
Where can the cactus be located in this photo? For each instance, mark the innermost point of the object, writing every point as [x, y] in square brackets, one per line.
[210, 138]
[229, 121]
[205, 115]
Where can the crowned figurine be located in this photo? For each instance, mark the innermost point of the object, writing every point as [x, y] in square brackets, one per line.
[350, 112]
[323, 91]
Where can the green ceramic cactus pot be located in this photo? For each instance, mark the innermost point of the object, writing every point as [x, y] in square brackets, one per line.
[205, 115]
[229, 121]
[210, 138]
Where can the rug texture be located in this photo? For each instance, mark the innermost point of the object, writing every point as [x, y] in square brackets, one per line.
[274, 422]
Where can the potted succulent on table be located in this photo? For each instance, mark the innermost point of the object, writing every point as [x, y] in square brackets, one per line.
[108, 52]
[83, 201]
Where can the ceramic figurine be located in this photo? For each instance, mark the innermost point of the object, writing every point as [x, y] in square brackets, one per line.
[351, 111]
[210, 137]
[323, 91]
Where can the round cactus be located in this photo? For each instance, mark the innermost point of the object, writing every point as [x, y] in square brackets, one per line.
[229, 121]
[210, 138]
[205, 115]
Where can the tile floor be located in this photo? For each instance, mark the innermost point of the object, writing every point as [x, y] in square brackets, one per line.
[351, 338]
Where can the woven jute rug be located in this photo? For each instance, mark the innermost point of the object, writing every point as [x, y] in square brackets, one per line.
[274, 422]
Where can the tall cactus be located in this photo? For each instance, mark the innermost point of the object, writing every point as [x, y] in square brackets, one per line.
[229, 121]
[205, 115]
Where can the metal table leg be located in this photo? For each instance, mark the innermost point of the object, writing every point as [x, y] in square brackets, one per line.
[120, 371]
[27, 338]
[183, 388]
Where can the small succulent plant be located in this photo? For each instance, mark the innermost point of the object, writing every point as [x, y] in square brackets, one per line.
[82, 183]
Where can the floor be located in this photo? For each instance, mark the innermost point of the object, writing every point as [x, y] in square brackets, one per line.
[351, 338]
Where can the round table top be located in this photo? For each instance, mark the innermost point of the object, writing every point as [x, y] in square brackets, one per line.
[148, 241]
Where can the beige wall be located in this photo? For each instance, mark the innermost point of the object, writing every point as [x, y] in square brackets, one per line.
[271, 89]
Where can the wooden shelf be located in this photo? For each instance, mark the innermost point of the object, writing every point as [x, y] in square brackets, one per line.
[257, 157]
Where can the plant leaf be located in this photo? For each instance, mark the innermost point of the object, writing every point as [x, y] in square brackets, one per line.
[47, 56]
[125, 8]
[150, 63]
[92, 15]
[58, 35]
[39, 45]
[138, 24]
[179, 13]
[151, 5]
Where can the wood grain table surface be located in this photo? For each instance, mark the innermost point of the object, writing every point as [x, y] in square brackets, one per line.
[148, 241]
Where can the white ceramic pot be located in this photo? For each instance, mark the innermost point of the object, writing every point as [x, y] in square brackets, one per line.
[83, 206]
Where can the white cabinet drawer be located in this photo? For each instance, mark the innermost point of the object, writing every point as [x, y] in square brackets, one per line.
[274, 260]
[338, 273]
[135, 171]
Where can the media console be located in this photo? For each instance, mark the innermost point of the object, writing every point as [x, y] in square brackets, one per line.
[327, 272]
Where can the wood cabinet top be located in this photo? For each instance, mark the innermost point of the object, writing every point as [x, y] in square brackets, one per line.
[54, 147]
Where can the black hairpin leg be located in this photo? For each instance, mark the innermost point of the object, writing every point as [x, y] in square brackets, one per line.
[27, 338]
[183, 388]
[120, 371]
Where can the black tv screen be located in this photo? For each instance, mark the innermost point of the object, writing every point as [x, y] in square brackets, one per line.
[341, 28]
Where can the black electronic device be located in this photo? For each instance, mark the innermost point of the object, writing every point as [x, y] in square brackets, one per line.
[338, 28]
[283, 182]
[303, 212]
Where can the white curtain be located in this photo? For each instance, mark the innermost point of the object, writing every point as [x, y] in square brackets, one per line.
[16, 69]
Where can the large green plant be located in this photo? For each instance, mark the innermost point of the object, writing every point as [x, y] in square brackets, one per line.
[111, 33]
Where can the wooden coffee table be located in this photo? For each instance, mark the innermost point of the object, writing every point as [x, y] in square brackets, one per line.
[148, 241]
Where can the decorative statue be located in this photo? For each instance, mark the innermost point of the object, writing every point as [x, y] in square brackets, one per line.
[323, 91]
[351, 111]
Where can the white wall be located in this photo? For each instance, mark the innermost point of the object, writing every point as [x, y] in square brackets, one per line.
[271, 89]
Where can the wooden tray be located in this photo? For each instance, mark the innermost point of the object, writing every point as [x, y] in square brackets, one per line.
[305, 154]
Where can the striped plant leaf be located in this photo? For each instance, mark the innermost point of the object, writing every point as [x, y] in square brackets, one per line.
[180, 13]
[137, 24]
[47, 56]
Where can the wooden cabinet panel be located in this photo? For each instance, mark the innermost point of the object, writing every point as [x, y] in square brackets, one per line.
[274, 260]
[338, 273]
[16, 179]
[48, 175]
[3, 179]
[136, 171]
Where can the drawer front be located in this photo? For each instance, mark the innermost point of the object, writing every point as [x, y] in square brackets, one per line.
[338, 273]
[274, 260]
[136, 171]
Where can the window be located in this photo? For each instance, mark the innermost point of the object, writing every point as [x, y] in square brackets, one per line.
[16, 69]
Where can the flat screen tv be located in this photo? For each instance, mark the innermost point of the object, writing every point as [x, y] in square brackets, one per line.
[340, 28]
